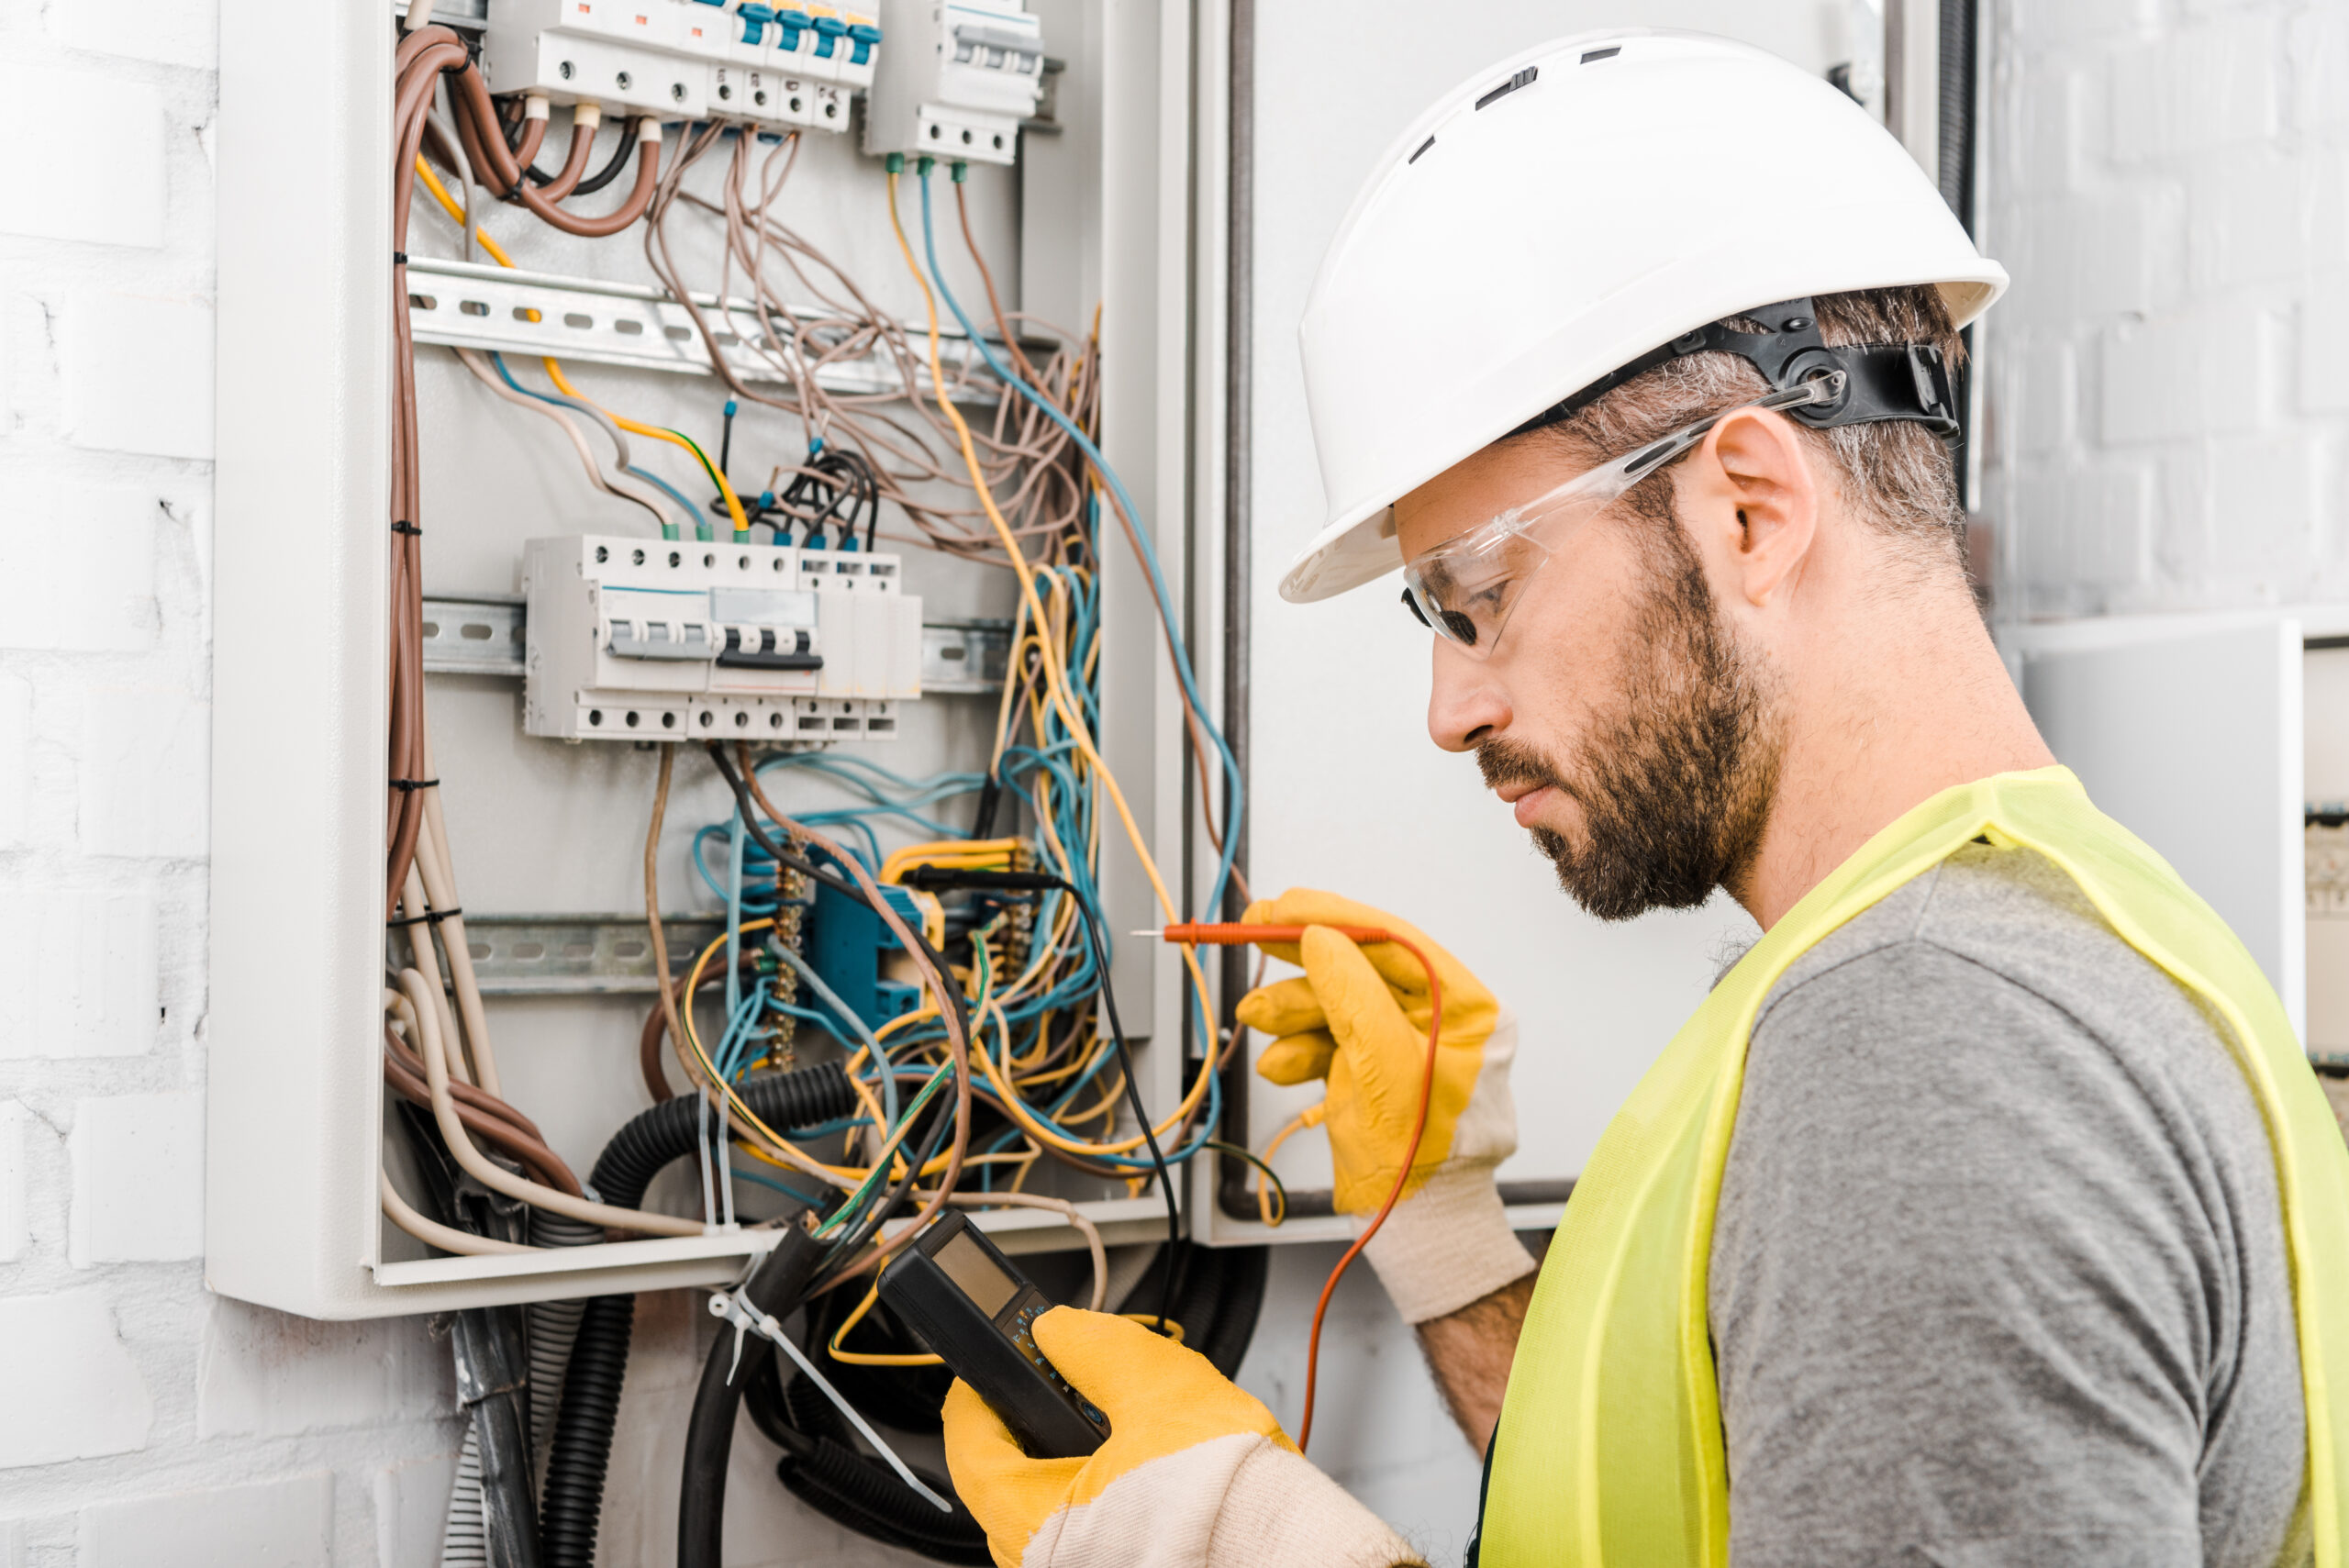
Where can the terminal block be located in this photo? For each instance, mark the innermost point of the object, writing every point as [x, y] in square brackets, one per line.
[675, 639]
[775, 67]
[958, 79]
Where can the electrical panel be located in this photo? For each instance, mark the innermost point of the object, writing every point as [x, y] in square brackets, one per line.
[772, 66]
[631, 639]
[959, 78]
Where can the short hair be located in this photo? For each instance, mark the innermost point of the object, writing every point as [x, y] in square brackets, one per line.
[1895, 474]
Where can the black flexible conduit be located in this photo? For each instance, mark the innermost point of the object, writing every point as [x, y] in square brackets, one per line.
[1221, 1292]
[571, 1502]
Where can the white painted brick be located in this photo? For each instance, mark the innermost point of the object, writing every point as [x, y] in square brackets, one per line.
[2048, 148]
[2084, 257]
[137, 1178]
[262, 1372]
[2042, 23]
[138, 373]
[2084, 529]
[2325, 347]
[2196, 89]
[411, 1506]
[169, 32]
[77, 566]
[78, 972]
[15, 759]
[14, 1234]
[2047, 419]
[2320, 56]
[12, 1543]
[60, 1356]
[2263, 503]
[276, 1524]
[2198, 374]
[144, 772]
[48, 195]
[2247, 218]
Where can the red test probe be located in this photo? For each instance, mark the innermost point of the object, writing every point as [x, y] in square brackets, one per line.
[1235, 934]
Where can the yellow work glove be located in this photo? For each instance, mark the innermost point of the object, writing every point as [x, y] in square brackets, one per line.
[1196, 1472]
[1358, 1018]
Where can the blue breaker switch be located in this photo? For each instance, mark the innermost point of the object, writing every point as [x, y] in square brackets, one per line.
[864, 35]
[755, 16]
[830, 31]
[794, 22]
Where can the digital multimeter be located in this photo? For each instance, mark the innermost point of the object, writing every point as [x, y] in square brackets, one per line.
[976, 1313]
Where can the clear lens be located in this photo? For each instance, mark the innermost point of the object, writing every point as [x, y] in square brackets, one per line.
[1466, 589]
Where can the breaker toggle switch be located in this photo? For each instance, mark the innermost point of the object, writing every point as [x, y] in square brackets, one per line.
[660, 640]
[770, 648]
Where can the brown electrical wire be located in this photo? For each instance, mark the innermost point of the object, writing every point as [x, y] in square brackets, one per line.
[574, 167]
[496, 169]
[542, 1163]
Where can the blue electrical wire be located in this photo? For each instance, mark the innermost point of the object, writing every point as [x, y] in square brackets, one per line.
[646, 474]
[1182, 658]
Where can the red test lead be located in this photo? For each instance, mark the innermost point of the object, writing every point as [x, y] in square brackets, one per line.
[1235, 933]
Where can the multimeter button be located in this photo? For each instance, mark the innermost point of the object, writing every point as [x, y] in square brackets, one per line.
[1096, 1416]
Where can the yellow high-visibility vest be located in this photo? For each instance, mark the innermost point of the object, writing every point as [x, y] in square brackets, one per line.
[1609, 1448]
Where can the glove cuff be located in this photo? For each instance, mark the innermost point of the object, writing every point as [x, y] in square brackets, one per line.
[1448, 1244]
[1243, 1500]
[1281, 1511]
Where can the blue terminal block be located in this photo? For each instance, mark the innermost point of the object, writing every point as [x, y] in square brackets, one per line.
[864, 35]
[848, 944]
[830, 31]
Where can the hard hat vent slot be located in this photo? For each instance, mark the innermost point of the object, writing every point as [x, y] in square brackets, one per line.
[1523, 78]
[1608, 53]
[1414, 158]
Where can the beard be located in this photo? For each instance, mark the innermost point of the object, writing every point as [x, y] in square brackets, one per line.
[1680, 778]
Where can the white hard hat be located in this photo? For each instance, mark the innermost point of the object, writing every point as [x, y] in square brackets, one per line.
[1567, 212]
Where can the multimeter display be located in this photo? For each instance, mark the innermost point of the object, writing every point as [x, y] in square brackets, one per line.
[963, 1299]
[989, 1287]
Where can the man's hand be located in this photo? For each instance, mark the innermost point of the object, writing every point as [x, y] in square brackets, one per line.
[1359, 1018]
[1196, 1474]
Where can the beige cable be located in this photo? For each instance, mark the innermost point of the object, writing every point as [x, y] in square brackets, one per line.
[438, 867]
[623, 486]
[432, 1233]
[414, 907]
[421, 992]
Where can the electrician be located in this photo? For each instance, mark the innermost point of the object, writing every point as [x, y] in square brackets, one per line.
[1987, 1212]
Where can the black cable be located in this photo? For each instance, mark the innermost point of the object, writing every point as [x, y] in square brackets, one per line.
[611, 170]
[935, 878]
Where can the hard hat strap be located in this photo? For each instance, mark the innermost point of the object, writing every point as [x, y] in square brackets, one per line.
[1898, 381]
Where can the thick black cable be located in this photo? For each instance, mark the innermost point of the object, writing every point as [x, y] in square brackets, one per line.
[933, 878]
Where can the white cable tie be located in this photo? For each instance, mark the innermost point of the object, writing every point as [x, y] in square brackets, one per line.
[729, 1305]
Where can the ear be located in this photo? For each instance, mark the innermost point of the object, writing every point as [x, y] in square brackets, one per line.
[1753, 502]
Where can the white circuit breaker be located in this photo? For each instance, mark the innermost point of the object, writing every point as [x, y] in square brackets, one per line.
[775, 66]
[632, 639]
[959, 78]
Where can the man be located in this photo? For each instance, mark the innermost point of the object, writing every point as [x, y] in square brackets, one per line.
[1987, 1212]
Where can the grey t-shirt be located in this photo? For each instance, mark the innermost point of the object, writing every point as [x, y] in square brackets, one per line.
[1998, 1273]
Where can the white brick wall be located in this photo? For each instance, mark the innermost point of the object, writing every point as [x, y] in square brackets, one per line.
[2168, 380]
[147, 1422]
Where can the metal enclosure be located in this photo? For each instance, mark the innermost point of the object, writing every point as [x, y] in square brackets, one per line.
[544, 832]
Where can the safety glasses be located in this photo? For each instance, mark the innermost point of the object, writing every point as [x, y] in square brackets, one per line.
[1465, 588]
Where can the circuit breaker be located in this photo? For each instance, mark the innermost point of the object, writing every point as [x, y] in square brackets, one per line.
[959, 78]
[778, 66]
[631, 639]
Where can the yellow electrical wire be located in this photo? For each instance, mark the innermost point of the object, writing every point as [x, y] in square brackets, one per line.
[554, 368]
[866, 1358]
[1056, 674]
